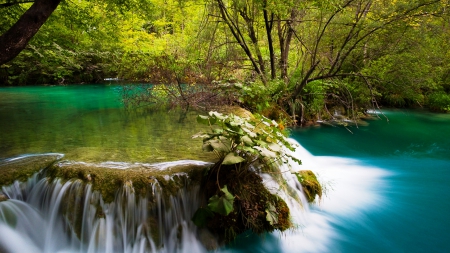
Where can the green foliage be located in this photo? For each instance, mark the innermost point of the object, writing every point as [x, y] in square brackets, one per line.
[201, 216]
[439, 101]
[222, 205]
[259, 97]
[237, 140]
[394, 53]
[272, 214]
[243, 146]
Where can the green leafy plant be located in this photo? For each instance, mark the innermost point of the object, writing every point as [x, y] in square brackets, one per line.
[243, 146]
[222, 205]
[244, 141]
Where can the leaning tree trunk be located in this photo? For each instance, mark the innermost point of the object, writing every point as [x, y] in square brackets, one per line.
[13, 41]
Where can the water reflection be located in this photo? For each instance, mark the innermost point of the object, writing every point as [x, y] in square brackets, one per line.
[89, 123]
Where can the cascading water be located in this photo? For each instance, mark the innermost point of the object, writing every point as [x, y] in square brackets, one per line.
[43, 216]
[349, 189]
[53, 216]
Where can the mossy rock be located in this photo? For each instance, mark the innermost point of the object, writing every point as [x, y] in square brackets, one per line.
[22, 168]
[310, 184]
[251, 207]
[107, 179]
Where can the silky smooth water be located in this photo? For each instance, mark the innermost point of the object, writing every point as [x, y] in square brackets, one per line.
[388, 188]
[411, 213]
[387, 183]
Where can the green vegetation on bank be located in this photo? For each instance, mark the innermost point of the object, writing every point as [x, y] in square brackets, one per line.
[296, 60]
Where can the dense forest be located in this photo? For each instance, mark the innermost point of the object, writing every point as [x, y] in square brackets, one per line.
[293, 60]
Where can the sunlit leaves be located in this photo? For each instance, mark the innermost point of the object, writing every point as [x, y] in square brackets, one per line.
[243, 140]
[232, 158]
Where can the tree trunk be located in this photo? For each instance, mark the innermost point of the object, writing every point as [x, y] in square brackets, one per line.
[269, 25]
[13, 41]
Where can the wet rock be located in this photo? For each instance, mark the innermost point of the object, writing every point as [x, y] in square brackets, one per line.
[22, 167]
[208, 240]
[3, 197]
[310, 184]
[108, 177]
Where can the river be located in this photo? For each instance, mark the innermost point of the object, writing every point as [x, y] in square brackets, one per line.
[387, 183]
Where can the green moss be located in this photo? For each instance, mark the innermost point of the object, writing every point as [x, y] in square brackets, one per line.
[252, 200]
[24, 167]
[310, 184]
[108, 181]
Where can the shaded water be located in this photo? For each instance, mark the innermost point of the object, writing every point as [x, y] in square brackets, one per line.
[387, 183]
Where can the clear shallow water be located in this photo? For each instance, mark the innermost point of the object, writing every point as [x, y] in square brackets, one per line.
[387, 183]
[88, 123]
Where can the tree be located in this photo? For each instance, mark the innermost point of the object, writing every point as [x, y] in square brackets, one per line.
[17, 37]
[330, 39]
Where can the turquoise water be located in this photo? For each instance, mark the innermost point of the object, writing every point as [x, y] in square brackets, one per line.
[387, 183]
[388, 188]
[414, 149]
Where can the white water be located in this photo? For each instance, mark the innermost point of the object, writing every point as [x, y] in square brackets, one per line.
[31, 220]
[351, 189]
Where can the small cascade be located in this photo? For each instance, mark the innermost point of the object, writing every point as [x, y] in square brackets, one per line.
[350, 188]
[53, 216]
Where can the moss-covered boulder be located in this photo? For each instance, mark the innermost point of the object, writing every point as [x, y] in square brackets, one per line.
[254, 208]
[107, 178]
[310, 184]
[23, 167]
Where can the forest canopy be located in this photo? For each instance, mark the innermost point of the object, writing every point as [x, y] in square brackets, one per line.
[306, 58]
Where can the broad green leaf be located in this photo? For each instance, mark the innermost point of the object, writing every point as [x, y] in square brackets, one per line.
[248, 125]
[217, 115]
[218, 131]
[201, 216]
[219, 146]
[275, 147]
[261, 143]
[271, 215]
[200, 135]
[266, 153]
[248, 149]
[203, 120]
[207, 147]
[232, 158]
[249, 132]
[247, 141]
[222, 205]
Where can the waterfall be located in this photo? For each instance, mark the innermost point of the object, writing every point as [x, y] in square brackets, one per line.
[44, 216]
[56, 216]
[351, 187]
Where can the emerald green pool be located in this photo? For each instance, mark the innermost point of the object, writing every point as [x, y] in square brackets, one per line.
[89, 123]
